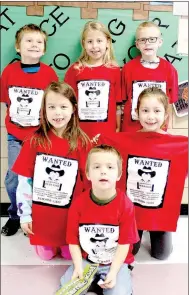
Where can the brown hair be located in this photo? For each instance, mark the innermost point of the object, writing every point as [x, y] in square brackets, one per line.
[147, 25]
[26, 29]
[156, 92]
[73, 133]
[109, 59]
[103, 148]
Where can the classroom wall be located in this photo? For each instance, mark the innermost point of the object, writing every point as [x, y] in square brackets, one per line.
[63, 21]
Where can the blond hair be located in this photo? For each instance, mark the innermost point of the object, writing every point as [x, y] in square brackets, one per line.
[156, 92]
[73, 133]
[103, 148]
[109, 58]
[147, 25]
[26, 29]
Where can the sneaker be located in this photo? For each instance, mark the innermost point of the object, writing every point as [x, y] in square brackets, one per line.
[11, 227]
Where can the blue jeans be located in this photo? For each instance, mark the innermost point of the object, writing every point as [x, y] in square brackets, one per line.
[123, 282]
[11, 179]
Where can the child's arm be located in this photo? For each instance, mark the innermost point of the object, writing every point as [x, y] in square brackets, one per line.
[77, 261]
[24, 203]
[119, 258]
[118, 118]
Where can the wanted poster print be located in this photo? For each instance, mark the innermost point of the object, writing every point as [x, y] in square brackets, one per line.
[146, 181]
[99, 241]
[54, 180]
[138, 87]
[93, 98]
[25, 105]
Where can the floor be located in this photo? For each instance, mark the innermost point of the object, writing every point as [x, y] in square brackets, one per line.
[22, 272]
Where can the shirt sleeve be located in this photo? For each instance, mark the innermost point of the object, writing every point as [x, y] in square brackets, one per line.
[27, 156]
[173, 85]
[4, 90]
[72, 234]
[128, 229]
[54, 76]
[124, 84]
[24, 198]
[117, 89]
[70, 78]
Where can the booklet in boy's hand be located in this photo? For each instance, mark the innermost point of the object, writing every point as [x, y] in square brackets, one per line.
[80, 286]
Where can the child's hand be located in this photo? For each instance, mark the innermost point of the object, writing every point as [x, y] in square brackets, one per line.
[27, 228]
[78, 273]
[95, 139]
[110, 281]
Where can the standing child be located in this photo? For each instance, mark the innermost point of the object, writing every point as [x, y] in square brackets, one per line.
[52, 172]
[22, 87]
[101, 225]
[95, 77]
[146, 70]
[152, 158]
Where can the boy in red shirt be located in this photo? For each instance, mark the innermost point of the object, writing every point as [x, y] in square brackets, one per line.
[22, 86]
[101, 225]
[146, 70]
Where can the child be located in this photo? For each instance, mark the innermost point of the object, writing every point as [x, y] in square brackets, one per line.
[52, 172]
[152, 158]
[95, 77]
[147, 70]
[101, 225]
[22, 86]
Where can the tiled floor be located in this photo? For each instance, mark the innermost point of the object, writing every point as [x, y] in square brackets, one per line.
[150, 276]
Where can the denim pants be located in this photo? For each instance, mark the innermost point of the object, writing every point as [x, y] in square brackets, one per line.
[123, 282]
[11, 179]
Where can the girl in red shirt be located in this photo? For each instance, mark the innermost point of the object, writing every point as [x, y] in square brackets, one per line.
[50, 168]
[96, 79]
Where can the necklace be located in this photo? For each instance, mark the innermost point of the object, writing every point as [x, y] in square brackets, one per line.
[148, 62]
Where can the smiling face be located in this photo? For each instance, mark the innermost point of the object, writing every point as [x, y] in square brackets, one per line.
[148, 50]
[151, 114]
[58, 111]
[31, 47]
[95, 44]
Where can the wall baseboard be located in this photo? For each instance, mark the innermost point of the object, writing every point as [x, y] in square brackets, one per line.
[4, 207]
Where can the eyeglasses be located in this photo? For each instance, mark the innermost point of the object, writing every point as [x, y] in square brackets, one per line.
[150, 40]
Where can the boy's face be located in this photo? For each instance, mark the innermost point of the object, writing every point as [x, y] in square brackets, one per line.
[148, 50]
[31, 47]
[103, 171]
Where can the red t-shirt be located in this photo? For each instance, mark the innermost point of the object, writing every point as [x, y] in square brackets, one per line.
[57, 175]
[154, 172]
[135, 78]
[99, 228]
[23, 93]
[98, 90]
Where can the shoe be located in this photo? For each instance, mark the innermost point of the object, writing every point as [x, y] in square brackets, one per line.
[11, 227]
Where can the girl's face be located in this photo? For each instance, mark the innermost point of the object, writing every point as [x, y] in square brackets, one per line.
[59, 111]
[95, 45]
[151, 114]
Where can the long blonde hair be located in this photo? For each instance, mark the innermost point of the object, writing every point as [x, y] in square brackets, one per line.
[73, 132]
[109, 58]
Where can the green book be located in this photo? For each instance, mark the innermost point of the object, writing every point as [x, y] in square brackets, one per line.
[80, 286]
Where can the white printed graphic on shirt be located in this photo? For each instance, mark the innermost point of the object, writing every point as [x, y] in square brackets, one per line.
[99, 241]
[54, 180]
[25, 105]
[147, 180]
[93, 98]
[138, 87]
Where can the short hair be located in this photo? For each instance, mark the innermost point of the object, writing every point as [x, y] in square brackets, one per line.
[147, 25]
[158, 93]
[29, 28]
[104, 148]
